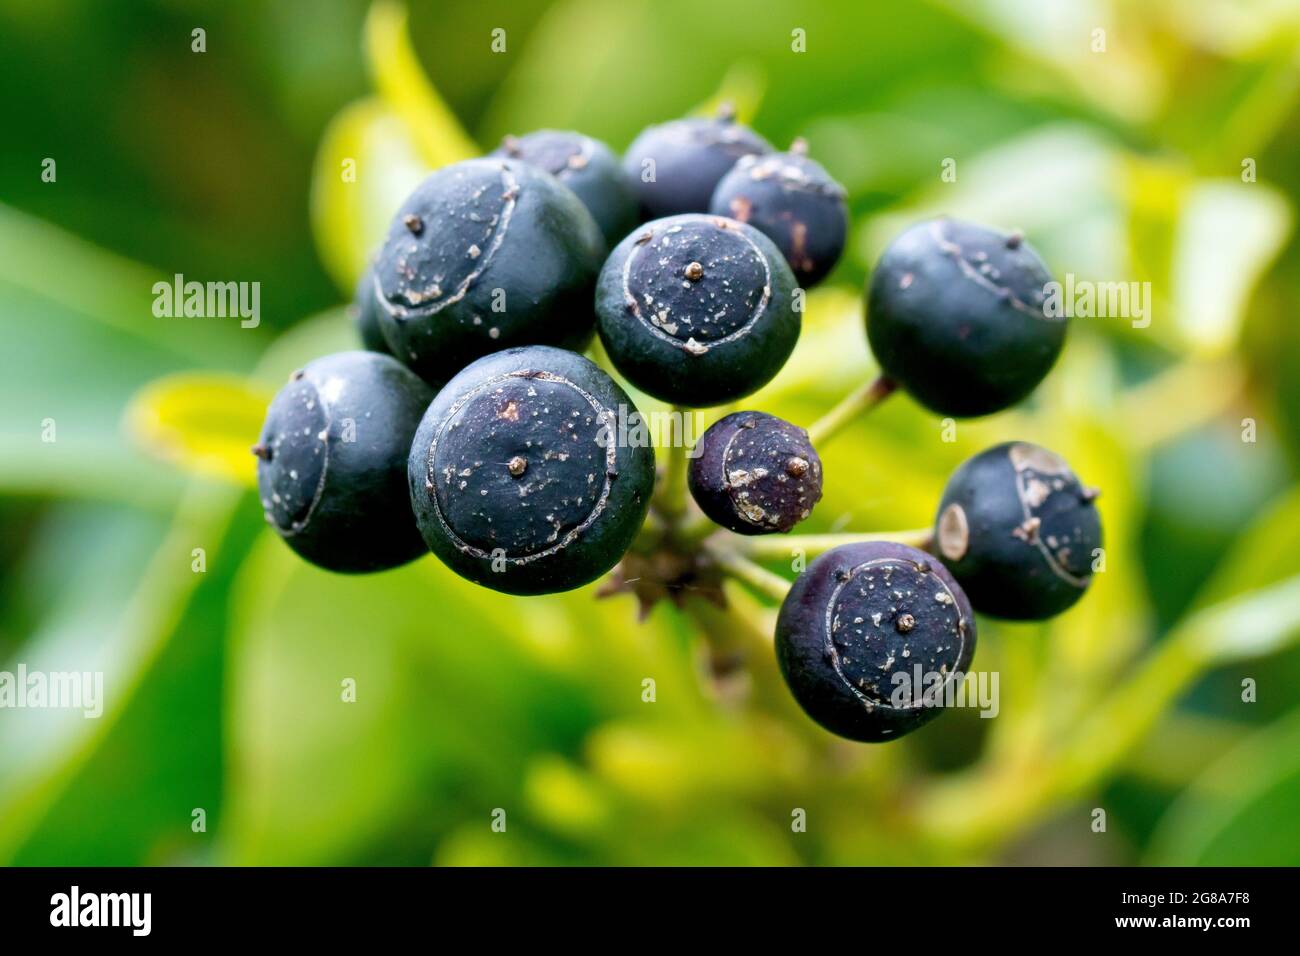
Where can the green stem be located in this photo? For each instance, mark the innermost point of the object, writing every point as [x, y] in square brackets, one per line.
[756, 576]
[694, 533]
[856, 403]
[788, 545]
[670, 498]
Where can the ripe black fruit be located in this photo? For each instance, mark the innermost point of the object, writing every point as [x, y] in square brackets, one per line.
[794, 202]
[674, 167]
[585, 165]
[486, 254]
[755, 473]
[365, 313]
[516, 475]
[1018, 530]
[861, 627]
[331, 468]
[955, 315]
[697, 310]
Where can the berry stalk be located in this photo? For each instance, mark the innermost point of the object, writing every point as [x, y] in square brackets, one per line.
[785, 546]
[670, 496]
[858, 402]
[742, 569]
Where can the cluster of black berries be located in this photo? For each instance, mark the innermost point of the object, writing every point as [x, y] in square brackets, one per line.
[473, 428]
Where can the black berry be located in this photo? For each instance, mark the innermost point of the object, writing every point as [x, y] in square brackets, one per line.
[674, 167]
[794, 202]
[1019, 531]
[697, 310]
[517, 475]
[331, 468]
[755, 473]
[365, 313]
[955, 315]
[588, 167]
[486, 254]
[871, 636]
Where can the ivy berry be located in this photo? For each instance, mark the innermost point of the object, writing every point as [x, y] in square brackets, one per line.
[332, 461]
[869, 638]
[697, 310]
[674, 167]
[516, 476]
[794, 202]
[588, 167]
[1019, 531]
[956, 316]
[755, 473]
[365, 313]
[485, 254]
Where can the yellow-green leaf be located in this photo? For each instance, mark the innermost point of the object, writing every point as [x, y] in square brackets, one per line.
[741, 88]
[203, 423]
[366, 165]
[400, 80]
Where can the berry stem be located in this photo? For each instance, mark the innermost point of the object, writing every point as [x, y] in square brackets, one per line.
[670, 498]
[858, 402]
[756, 576]
[691, 536]
[787, 545]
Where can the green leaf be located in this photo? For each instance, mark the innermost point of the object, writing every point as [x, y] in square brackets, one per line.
[1241, 810]
[205, 422]
[428, 655]
[117, 620]
[119, 616]
[169, 731]
[62, 397]
[1257, 623]
[1266, 552]
[741, 89]
[1213, 279]
[45, 268]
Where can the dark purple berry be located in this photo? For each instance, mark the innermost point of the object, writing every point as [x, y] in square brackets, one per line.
[794, 202]
[674, 167]
[956, 315]
[697, 310]
[331, 469]
[870, 638]
[755, 473]
[517, 476]
[1019, 531]
[588, 167]
[486, 254]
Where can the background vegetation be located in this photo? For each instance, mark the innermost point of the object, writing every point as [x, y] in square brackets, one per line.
[223, 686]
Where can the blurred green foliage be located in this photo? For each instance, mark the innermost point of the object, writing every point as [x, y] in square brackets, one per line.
[223, 687]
